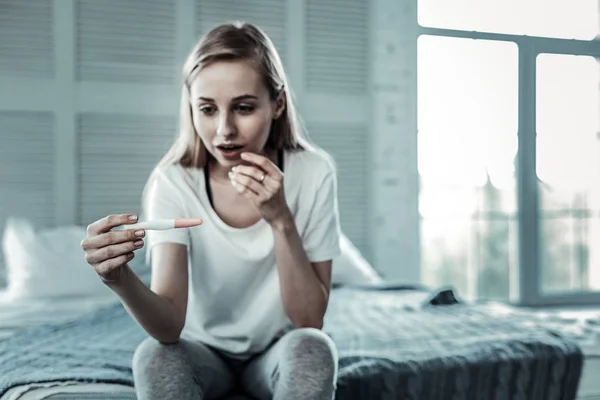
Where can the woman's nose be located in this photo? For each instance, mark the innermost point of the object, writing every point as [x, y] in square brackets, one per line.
[225, 125]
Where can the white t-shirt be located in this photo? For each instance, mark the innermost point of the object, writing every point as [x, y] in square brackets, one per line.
[234, 301]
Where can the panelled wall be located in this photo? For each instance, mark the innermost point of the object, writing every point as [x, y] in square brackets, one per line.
[89, 96]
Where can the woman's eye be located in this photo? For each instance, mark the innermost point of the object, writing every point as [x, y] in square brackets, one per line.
[244, 109]
[208, 110]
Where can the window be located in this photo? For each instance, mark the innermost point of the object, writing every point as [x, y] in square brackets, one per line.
[494, 75]
[568, 169]
[467, 123]
[569, 19]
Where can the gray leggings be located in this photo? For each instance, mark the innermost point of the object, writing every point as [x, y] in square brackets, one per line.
[301, 365]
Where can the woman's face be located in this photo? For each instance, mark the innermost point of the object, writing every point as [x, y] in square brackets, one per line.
[232, 110]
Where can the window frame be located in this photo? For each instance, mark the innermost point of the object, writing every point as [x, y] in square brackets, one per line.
[528, 291]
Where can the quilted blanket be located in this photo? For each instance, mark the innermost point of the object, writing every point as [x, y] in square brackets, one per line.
[393, 344]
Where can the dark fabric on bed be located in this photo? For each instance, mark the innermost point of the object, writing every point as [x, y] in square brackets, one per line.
[393, 344]
[92, 396]
[391, 351]
[110, 396]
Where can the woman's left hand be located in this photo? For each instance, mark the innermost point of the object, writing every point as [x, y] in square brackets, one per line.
[261, 183]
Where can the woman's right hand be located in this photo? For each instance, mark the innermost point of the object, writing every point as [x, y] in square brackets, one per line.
[109, 251]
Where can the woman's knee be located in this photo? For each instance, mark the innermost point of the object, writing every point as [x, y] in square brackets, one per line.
[151, 356]
[161, 371]
[313, 350]
[185, 368]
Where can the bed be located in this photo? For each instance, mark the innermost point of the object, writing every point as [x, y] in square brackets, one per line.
[394, 342]
[581, 324]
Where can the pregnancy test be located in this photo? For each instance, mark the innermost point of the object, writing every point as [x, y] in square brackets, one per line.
[165, 224]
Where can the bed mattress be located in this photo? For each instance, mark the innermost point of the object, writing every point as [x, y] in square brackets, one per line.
[589, 388]
[72, 391]
[392, 343]
[19, 314]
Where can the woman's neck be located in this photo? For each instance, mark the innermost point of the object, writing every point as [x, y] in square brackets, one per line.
[217, 171]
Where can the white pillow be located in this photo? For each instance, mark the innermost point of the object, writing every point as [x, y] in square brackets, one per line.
[47, 264]
[351, 267]
[50, 263]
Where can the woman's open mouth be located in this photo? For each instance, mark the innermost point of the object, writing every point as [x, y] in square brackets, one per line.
[230, 150]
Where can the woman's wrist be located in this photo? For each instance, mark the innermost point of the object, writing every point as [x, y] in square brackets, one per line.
[117, 277]
[284, 222]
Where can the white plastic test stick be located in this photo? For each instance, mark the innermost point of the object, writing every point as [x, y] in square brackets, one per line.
[165, 224]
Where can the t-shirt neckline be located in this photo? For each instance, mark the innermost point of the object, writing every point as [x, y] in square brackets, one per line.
[206, 197]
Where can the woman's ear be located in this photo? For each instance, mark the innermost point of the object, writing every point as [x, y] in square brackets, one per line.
[279, 104]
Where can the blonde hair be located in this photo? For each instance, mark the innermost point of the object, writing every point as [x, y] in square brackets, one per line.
[233, 41]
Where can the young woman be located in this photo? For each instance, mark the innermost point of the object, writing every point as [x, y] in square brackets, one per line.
[239, 300]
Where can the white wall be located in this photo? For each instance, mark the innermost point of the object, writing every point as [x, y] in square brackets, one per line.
[394, 225]
[90, 92]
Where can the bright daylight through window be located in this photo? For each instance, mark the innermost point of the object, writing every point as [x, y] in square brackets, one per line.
[568, 19]
[568, 168]
[468, 119]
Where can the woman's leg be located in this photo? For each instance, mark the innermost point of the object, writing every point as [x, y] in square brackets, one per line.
[182, 371]
[302, 365]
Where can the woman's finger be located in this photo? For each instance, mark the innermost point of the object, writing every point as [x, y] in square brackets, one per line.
[263, 162]
[251, 171]
[107, 223]
[258, 175]
[110, 238]
[105, 267]
[249, 183]
[112, 251]
[247, 193]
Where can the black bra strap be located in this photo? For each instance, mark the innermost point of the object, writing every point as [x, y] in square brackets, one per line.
[207, 185]
[280, 159]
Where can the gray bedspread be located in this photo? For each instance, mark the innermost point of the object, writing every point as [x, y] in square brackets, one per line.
[393, 344]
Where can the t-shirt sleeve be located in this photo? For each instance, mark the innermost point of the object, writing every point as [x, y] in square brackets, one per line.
[164, 201]
[322, 235]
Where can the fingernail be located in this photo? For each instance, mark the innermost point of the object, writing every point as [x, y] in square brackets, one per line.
[234, 169]
[139, 233]
[231, 175]
[130, 255]
[138, 243]
[133, 217]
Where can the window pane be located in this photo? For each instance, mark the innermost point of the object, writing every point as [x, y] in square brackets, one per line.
[568, 169]
[571, 19]
[467, 102]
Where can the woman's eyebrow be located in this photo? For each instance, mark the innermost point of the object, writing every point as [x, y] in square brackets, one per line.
[245, 97]
[237, 98]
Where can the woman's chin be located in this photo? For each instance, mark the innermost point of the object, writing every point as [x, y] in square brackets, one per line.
[227, 159]
[229, 162]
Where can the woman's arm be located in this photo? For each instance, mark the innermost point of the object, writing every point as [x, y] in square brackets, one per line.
[161, 310]
[304, 285]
